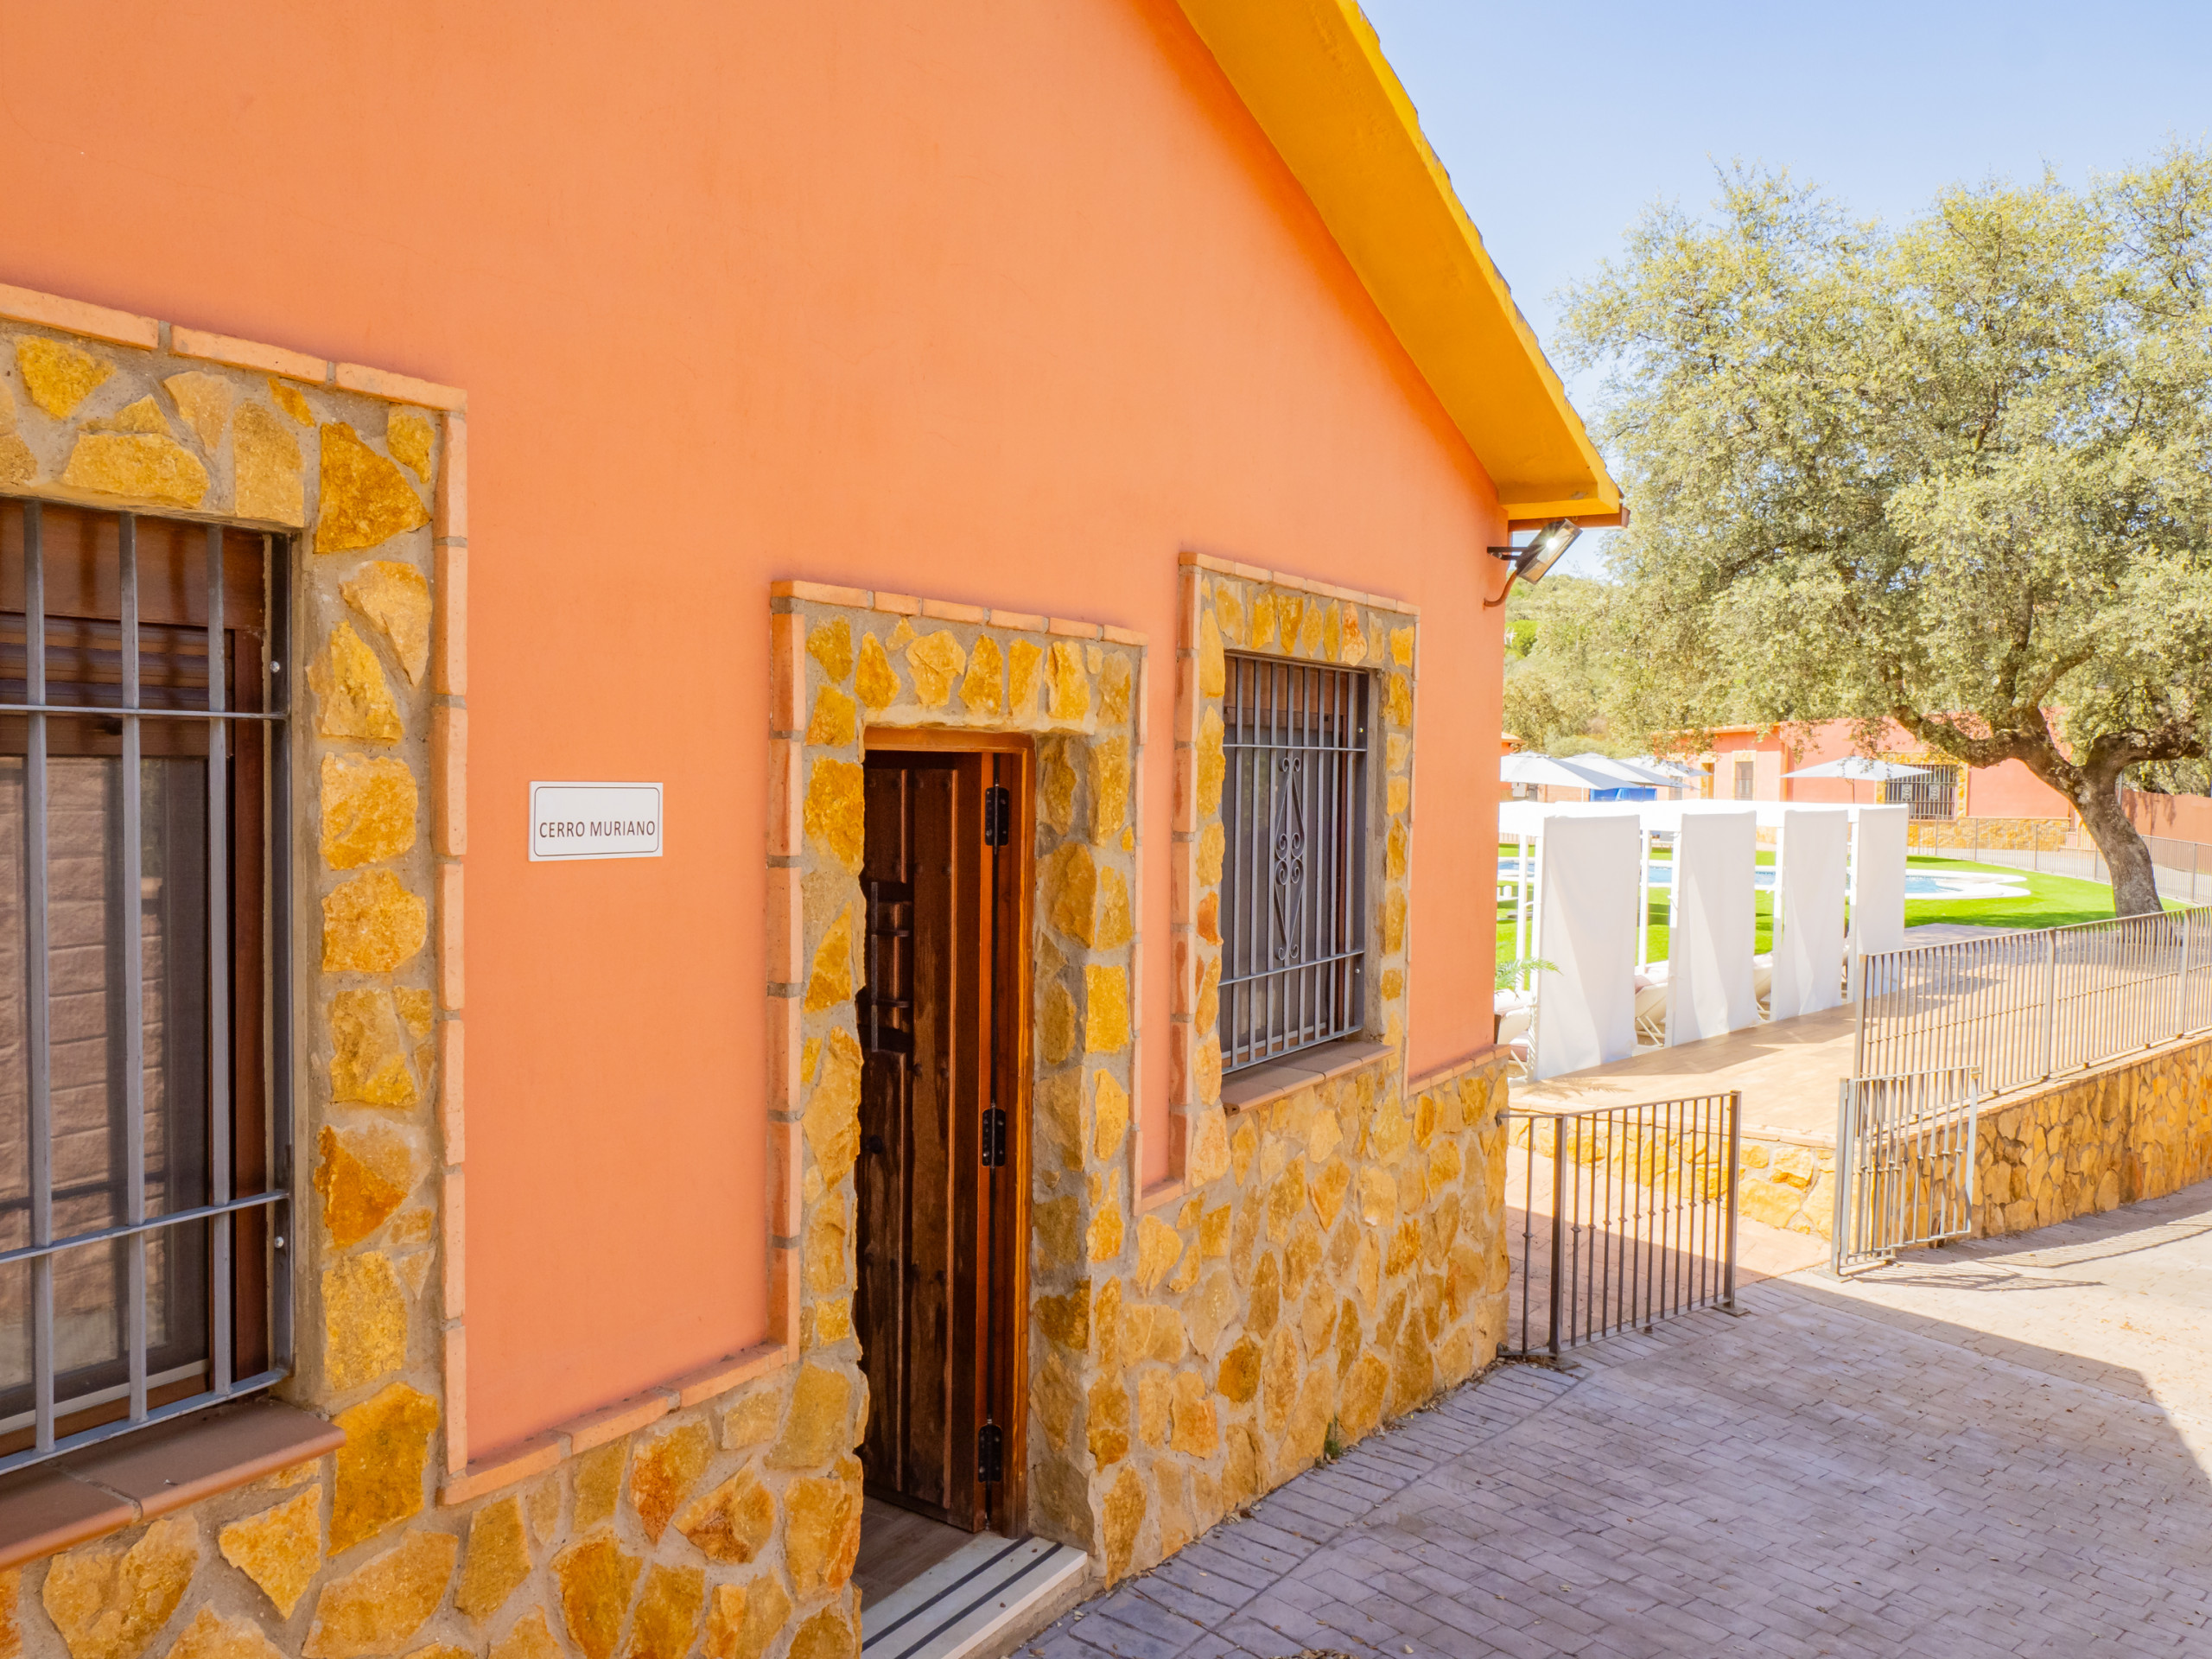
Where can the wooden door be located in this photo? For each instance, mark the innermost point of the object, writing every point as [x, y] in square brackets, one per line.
[941, 1193]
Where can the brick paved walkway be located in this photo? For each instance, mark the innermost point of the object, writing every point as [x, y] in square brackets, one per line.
[1995, 1449]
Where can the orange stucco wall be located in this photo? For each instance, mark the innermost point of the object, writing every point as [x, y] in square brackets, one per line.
[2005, 791]
[1001, 303]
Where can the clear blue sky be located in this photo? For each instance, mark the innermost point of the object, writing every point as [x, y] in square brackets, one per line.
[1560, 122]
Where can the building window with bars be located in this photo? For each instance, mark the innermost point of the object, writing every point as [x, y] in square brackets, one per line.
[1934, 794]
[1747, 780]
[144, 1056]
[1293, 876]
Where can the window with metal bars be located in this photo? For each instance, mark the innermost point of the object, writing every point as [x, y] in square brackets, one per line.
[1293, 873]
[1934, 794]
[144, 1140]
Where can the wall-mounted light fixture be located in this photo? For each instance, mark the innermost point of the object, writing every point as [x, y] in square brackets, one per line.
[1532, 560]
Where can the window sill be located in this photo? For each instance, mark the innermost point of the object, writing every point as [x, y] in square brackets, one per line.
[1260, 1085]
[105, 1488]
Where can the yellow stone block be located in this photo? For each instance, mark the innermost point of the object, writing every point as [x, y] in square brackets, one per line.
[1066, 1318]
[368, 1062]
[408, 435]
[1106, 1013]
[837, 811]
[828, 1634]
[17, 464]
[1208, 1159]
[664, 1470]
[1193, 1428]
[734, 1521]
[1213, 675]
[831, 980]
[368, 810]
[822, 1532]
[1159, 1248]
[744, 1619]
[876, 684]
[935, 660]
[58, 376]
[595, 1579]
[1239, 1379]
[1107, 1422]
[1211, 766]
[832, 1119]
[107, 1603]
[1393, 851]
[1103, 1239]
[819, 1427]
[530, 1637]
[1067, 686]
[1056, 787]
[144, 415]
[280, 1548]
[498, 1559]
[836, 720]
[364, 1175]
[1109, 1112]
[139, 465]
[352, 697]
[395, 598]
[365, 1325]
[667, 1620]
[417, 1010]
[1115, 682]
[268, 476]
[377, 1607]
[1331, 633]
[1229, 612]
[824, 1250]
[1120, 1516]
[599, 1484]
[983, 691]
[1393, 920]
[1311, 627]
[831, 645]
[366, 499]
[379, 1469]
[1023, 660]
[1402, 647]
[1110, 786]
[1400, 702]
[1353, 649]
[291, 400]
[210, 1636]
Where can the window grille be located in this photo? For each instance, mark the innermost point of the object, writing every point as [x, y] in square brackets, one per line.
[1294, 880]
[1934, 794]
[1747, 774]
[145, 1156]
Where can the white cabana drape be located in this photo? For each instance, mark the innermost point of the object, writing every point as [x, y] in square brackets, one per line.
[1878, 880]
[1712, 927]
[1809, 913]
[1585, 1011]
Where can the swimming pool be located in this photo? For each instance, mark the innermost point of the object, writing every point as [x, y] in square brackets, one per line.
[1918, 884]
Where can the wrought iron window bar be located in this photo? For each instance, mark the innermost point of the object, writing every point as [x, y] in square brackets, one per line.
[127, 710]
[1294, 889]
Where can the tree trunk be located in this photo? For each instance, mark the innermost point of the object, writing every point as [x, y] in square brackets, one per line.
[2135, 887]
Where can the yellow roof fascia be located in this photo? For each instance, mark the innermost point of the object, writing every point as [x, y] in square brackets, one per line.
[1313, 74]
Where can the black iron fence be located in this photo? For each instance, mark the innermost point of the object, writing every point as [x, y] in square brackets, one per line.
[1626, 1215]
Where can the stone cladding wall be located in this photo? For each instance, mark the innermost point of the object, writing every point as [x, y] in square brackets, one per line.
[2002, 834]
[2136, 1129]
[1316, 1263]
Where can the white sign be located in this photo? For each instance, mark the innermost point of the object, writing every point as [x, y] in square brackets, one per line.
[594, 820]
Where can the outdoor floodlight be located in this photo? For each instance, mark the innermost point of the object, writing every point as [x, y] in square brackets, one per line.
[1530, 562]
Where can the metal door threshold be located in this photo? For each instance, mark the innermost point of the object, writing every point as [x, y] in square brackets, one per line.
[965, 1600]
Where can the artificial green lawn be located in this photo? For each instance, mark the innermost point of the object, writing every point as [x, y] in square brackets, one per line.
[2051, 901]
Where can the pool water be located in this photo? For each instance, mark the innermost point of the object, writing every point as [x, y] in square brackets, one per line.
[1918, 884]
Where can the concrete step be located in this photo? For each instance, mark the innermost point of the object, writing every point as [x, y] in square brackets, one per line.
[966, 1601]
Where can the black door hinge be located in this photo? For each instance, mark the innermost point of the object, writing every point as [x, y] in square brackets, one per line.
[994, 1137]
[998, 814]
[990, 1454]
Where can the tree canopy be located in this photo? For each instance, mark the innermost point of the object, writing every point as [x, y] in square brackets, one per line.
[1956, 474]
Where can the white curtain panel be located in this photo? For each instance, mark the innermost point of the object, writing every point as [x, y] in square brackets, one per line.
[1713, 928]
[1877, 881]
[1585, 1011]
[1808, 907]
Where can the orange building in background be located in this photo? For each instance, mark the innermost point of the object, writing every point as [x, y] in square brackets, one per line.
[703, 624]
[1750, 763]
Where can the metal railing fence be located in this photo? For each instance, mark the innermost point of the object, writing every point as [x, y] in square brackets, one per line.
[2021, 1009]
[1904, 1163]
[1628, 1215]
